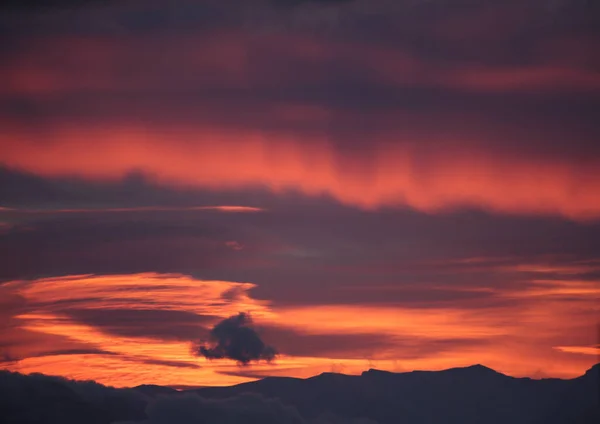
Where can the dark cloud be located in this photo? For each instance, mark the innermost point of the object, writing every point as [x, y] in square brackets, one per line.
[40, 398]
[45, 5]
[152, 323]
[74, 352]
[19, 344]
[295, 343]
[247, 408]
[28, 399]
[112, 244]
[20, 190]
[296, 2]
[323, 252]
[362, 346]
[174, 364]
[467, 59]
[235, 338]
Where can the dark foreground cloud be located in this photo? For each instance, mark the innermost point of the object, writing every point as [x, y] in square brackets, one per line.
[235, 338]
[44, 399]
[246, 408]
[46, 5]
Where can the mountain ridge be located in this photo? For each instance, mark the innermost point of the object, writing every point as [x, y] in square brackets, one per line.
[464, 395]
[374, 371]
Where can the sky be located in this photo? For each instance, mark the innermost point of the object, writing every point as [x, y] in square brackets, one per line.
[381, 184]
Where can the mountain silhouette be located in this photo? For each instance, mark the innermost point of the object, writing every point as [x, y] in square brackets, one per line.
[470, 395]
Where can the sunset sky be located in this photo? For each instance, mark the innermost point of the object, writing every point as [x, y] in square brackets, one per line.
[401, 185]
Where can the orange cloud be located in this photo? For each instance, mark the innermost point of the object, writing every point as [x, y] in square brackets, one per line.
[517, 339]
[584, 350]
[394, 174]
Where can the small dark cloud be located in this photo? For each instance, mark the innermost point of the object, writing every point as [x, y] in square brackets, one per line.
[235, 338]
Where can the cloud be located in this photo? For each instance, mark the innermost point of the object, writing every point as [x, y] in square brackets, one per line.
[46, 5]
[176, 364]
[26, 398]
[110, 244]
[247, 408]
[423, 105]
[583, 350]
[17, 342]
[121, 330]
[499, 111]
[65, 401]
[297, 2]
[440, 181]
[37, 398]
[235, 338]
[293, 342]
[224, 208]
[152, 323]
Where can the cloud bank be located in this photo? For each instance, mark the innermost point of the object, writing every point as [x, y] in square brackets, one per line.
[248, 408]
[424, 104]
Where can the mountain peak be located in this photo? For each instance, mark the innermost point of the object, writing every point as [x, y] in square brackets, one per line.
[332, 376]
[478, 370]
[375, 372]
